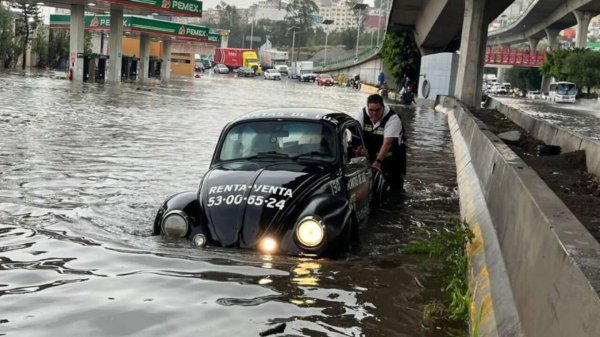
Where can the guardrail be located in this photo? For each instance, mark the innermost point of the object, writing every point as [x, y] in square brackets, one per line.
[347, 61]
[514, 57]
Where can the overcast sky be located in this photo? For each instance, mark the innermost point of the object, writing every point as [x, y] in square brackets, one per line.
[206, 4]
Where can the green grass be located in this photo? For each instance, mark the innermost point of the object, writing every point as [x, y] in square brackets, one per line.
[448, 243]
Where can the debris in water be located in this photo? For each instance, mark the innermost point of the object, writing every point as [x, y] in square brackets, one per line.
[276, 329]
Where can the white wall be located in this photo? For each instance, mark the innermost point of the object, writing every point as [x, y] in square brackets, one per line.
[439, 70]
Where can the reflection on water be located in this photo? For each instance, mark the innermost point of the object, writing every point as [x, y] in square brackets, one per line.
[582, 117]
[83, 169]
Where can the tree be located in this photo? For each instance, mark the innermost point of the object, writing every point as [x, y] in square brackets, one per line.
[583, 68]
[229, 19]
[300, 14]
[6, 38]
[525, 78]
[554, 64]
[348, 38]
[58, 48]
[40, 45]
[401, 56]
[25, 24]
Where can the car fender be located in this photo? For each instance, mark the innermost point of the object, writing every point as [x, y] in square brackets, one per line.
[186, 202]
[337, 216]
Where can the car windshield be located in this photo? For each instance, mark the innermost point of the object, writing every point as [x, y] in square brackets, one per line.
[566, 89]
[326, 77]
[279, 140]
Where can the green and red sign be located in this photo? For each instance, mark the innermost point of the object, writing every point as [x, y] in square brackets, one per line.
[180, 7]
[138, 24]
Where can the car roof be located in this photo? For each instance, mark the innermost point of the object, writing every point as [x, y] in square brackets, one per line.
[305, 114]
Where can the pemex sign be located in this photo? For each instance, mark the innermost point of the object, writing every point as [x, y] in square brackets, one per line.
[153, 27]
[180, 7]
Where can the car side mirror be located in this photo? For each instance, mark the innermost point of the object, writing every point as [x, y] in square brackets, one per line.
[359, 160]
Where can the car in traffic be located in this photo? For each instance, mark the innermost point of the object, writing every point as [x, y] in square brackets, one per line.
[534, 94]
[283, 69]
[281, 181]
[245, 72]
[272, 74]
[324, 80]
[221, 69]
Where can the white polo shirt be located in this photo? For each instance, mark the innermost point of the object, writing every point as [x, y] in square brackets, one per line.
[393, 127]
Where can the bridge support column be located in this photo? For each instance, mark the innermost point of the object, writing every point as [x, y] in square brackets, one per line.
[552, 36]
[533, 44]
[116, 43]
[583, 22]
[76, 43]
[224, 39]
[501, 75]
[144, 57]
[165, 66]
[469, 78]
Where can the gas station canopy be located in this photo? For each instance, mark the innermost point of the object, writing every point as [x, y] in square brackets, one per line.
[136, 25]
[138, 7]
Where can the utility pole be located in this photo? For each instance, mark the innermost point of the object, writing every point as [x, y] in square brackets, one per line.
[360, 8]
[326, 22]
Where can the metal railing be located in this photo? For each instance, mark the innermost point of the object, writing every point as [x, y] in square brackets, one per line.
[347, 61]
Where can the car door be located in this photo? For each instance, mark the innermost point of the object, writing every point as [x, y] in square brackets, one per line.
[356, 168]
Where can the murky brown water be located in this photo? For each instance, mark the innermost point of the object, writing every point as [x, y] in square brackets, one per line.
[84, 168]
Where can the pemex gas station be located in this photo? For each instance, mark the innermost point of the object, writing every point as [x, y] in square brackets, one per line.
[139, 47]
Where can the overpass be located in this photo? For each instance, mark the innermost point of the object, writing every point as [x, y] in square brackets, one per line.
[546, 18]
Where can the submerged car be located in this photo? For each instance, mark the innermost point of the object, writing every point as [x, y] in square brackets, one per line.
[325, 80]
[245, 72]
[221, 69]
[272, 74]
[290, 181]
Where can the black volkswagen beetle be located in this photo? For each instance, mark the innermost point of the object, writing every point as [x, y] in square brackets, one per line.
[290, 181]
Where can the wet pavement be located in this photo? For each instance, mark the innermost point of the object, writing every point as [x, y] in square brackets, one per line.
[83, 169]
[582, 117]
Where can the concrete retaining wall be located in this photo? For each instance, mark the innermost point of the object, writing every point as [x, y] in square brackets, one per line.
[551, 134]
[534, 267]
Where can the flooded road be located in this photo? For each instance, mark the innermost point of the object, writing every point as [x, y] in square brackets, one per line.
[83, 170]
[582, 117]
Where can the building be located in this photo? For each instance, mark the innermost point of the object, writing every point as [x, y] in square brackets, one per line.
[343, 17]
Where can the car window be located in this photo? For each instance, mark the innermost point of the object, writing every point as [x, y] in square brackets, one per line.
[286, 139]
[352, 143]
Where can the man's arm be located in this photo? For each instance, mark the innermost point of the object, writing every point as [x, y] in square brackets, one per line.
[385, 148]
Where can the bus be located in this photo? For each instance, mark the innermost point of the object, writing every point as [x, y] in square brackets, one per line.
[562, 92]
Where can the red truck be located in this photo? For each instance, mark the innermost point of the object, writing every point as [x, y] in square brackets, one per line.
[236, 57]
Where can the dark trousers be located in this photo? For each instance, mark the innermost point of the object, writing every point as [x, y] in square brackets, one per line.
[394, 169]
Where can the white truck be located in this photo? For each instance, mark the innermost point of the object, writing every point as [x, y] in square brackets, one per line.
[273, 58]
[303, 71]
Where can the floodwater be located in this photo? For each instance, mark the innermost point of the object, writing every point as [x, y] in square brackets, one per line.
[582, 117]
[83, 169]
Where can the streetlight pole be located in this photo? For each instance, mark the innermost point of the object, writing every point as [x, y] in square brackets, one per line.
[360, 8]
[251, 33]
[293, 29]
[379, 21]
[326, 22]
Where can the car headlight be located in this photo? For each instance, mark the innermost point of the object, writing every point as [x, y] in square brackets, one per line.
[176, 224]
[310, 232]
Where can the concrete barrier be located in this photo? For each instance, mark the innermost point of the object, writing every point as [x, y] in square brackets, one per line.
[551, 134]
[534, 268]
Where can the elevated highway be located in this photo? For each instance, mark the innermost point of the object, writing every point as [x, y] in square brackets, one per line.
[437, 24]
[545, 19]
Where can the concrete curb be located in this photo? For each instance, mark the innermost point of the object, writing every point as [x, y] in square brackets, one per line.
[551, 134]
[534, 267]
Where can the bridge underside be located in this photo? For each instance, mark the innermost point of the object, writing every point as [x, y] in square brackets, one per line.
[552, 14]
[437, 24]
